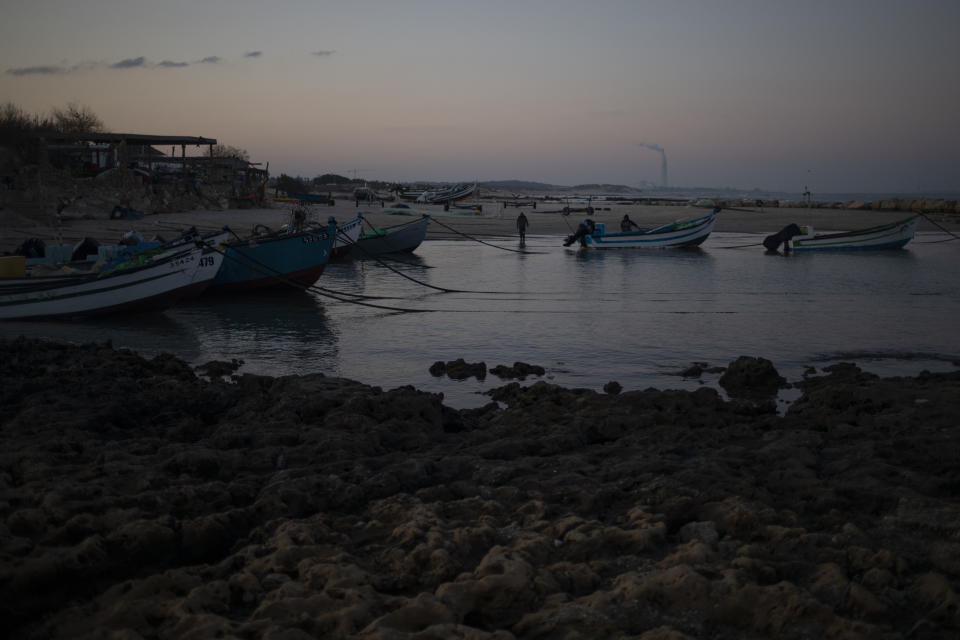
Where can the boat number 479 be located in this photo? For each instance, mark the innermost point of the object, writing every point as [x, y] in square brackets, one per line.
[207, 261]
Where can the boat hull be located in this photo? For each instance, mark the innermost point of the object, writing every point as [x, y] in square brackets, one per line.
[347, 235]
[678, 235]
[288, 260]
[156, 286]
[400, 239]
[895, 235]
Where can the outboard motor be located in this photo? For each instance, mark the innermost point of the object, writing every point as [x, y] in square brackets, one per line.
[772, 243]
[84, 248]
[585, 228]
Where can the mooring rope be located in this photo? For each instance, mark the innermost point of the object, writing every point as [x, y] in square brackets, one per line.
[420, 282]
[356, 245]
[942, 228]
[469, 237]
[741, 246]
[257, 266]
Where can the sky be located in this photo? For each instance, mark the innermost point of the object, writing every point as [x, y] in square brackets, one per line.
[832, 95]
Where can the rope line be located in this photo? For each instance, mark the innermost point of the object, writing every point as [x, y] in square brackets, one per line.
[469, 237]
[741, 246]
[425, 284]
[356, 245]
[942, 228]
[255, 265]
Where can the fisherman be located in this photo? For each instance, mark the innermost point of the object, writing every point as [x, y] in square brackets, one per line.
[627, 223]
[522, 224]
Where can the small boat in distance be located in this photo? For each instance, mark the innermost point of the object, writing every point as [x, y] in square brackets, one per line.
[439, 195]
[675, 235]
[401, 238]
[893, 235]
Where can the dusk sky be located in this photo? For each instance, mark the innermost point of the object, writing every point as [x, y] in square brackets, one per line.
[838, 95]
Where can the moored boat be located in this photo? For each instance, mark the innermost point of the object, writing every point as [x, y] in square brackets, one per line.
[145, 284]
[401, 238]
[893, 235]
[287, 258]
[347, 235]
[679, 234]
[439, 196]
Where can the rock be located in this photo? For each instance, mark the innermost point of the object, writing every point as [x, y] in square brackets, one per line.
[705, 532]
[309, 506]
[748, 377]
[459, 369]
[220, 368]
[695, 370]
[519, 370]
[613, 387]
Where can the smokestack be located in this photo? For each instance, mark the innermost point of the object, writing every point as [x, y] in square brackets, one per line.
[663, 161]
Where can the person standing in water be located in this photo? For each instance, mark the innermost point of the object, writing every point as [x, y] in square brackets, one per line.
[522, 224]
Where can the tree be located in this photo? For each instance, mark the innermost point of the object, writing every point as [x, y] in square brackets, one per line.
[75, 119]
[330, 178]
[287, 183]
[15, 118]
[227, 151]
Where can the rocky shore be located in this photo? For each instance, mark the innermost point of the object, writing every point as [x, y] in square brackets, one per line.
[146, 499]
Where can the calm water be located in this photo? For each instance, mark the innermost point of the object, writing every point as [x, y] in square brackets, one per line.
[587, 317]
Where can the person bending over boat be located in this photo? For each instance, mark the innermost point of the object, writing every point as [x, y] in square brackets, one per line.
[626, 224]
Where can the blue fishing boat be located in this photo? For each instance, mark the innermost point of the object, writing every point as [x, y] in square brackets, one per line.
[290, 258]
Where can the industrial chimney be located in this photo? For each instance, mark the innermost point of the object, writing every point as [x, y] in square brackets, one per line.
[664, 182]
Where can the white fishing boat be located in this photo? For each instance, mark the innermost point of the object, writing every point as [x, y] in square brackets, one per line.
[347, 235]
[679, 234]
[401, 238]
[893, 235]
[145, 283]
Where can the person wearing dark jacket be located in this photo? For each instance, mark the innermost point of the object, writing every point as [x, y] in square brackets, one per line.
[522, 224]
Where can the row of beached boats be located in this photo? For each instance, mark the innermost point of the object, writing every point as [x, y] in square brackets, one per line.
[693, 232]
[155, 275]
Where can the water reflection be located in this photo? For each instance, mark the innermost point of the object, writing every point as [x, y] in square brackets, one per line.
[588, 317]
[273, 332]
[146, 333]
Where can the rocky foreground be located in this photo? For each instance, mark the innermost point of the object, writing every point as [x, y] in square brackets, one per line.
[142, 500]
